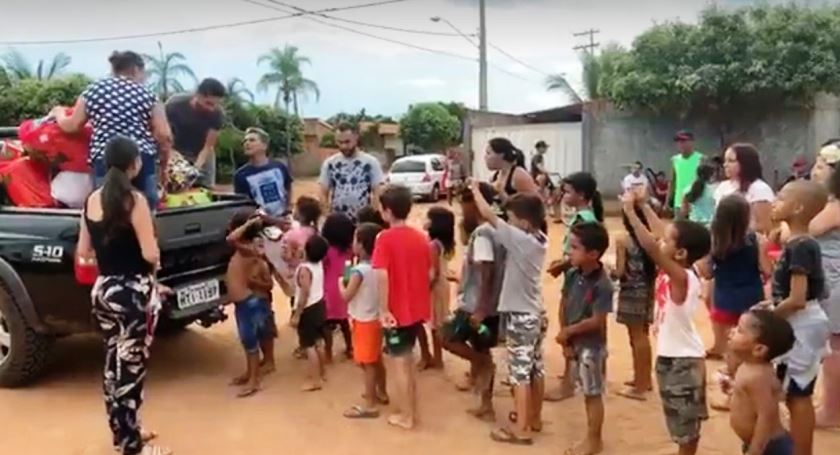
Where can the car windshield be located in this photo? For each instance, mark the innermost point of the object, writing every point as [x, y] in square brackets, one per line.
[408, 166]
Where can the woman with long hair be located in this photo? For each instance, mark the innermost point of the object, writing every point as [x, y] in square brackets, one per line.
[742, 168]
[508, 162]
[120, 105]
[117, 230]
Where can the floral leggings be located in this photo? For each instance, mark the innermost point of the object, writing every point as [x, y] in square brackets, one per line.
[122, 308]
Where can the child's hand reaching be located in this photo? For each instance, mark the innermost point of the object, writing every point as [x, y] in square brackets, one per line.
[557, 267]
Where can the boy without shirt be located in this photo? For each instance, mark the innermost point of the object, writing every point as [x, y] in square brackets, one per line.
[759, 337]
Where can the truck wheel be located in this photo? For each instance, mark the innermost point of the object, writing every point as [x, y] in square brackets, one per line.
[434, 196]
[169, 327]
[23, 352]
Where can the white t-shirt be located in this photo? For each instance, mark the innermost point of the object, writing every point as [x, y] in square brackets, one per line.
[364, 306]
[631, 181]
[482, 249]
[677, 336]
[316, 290]
[759, 191]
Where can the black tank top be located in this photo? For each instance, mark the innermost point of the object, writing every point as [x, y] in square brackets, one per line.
[118, 254]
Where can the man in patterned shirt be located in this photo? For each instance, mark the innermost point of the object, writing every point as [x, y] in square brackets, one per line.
[351, 179]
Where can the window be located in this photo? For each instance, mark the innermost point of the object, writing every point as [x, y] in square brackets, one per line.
[405, 166]
[437, 165]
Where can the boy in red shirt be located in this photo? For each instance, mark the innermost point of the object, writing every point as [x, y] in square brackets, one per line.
[403, 261]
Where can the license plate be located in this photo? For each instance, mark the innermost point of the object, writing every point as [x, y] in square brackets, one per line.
[197, 294]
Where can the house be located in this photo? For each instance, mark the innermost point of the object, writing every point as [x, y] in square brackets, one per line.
[382, 138]
[314, 130]
[308, 163]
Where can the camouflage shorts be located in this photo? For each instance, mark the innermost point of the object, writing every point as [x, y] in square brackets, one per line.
[682, 387]
[524, 347]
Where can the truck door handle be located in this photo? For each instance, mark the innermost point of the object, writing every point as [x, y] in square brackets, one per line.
[192, 228]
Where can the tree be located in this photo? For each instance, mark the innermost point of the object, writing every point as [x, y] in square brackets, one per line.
[328, 140]
[595, 70]
[757, 59]
[430, 126]
[285, 73]
[238, 91]
[33, 98]
[356, 119]
[17, 67]
[164, 72]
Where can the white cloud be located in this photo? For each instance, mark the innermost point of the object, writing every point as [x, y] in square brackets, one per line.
[427, 82]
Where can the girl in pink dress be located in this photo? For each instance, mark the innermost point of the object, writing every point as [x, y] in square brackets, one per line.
[338, 229]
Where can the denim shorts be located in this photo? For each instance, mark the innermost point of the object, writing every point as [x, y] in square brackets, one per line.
[146, 181]
[252, 322]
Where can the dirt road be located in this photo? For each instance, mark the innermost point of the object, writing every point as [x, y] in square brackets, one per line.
[189, 404]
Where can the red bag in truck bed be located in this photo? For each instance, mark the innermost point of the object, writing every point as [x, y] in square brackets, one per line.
[68, 151]
[27, 183]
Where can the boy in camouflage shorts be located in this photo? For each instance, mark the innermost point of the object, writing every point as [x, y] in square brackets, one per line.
[521, 305]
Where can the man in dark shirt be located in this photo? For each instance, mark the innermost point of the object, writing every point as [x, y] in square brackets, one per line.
[195, 121]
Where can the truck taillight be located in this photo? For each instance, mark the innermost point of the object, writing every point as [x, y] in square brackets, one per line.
[86, 271]
[427, 178]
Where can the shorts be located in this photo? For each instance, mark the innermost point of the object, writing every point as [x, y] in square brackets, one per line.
[399, 341]
[524, 347]
[252, 322]
[634, 308]
[682, 387]
[367, 342]
[459, 329]
[789, 385]
[312, 325]
[271, 328]
[725, 317]
[780, 445]
[591, 363]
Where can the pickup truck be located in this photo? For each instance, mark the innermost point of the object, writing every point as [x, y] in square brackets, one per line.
[41, 300]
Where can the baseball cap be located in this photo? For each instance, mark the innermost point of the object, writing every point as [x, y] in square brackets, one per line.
[541, 144]
[683, 135]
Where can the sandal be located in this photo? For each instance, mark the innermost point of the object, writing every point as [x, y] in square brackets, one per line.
[155, 450]
[248, 392]
[358, 412]
[505, 436]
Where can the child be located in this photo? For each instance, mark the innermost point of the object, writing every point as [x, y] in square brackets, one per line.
[798, 283]
[680, 364]
[738, 260]
[338, 231]
[474, 329]
[636, 273]
[699, 199]
[440, 224]
[368, 214]
[580, 193]
[403, 263]
[825, 228]
[249, 288]
[307, 214]
[586, 301]
[361, 293]
[521, 304]
[759, 337]
[309, 313]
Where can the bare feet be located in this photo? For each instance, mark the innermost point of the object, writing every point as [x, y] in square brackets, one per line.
[586, 448]
[633, 384]
[401, 421]
[248, 391]
[465, 385]
[240, 380]
[559, 394]
[633, 394]
[267, 368]
[484, 414]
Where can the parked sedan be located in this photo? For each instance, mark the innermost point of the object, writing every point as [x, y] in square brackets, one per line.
[422, 174]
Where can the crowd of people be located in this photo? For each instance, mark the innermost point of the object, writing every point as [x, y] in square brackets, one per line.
[765, 264]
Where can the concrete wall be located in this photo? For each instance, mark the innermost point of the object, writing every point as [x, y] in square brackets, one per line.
[613, 138]
[478, 119]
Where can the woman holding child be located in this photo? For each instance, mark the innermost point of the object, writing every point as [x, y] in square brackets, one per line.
[118, 231]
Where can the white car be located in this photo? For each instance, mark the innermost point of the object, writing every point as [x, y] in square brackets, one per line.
[422, 174]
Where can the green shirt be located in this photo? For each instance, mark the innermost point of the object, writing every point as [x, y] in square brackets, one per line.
[582, 216]
[685, 172]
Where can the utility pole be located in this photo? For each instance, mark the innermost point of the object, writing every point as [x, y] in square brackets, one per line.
[482, 64]
[588, 48]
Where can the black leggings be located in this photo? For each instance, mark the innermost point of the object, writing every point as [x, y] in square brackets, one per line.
[344, 325]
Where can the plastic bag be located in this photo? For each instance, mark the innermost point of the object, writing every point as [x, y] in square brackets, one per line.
[182, 174]
[71, 188]
[27, 183]
[10, 150]
[69, 152]
[191, 198]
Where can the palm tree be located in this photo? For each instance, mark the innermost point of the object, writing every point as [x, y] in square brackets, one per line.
[164, 71]
[238, 92]
[559, 82]
[17, 67]
[286, 74]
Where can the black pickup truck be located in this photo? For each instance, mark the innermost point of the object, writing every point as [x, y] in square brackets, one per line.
[41, 300]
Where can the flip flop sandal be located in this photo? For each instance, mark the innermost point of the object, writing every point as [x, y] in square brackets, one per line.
[155, 450]
[631, 394]
[358, 412]
[505, 436]
[248, 392]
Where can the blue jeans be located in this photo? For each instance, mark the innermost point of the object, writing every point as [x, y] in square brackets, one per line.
[145, 182]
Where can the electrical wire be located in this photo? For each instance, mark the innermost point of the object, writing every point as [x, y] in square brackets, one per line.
[194, 29]
[526, 65]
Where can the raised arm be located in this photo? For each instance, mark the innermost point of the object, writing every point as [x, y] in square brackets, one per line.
[657, 226]
[483, 206]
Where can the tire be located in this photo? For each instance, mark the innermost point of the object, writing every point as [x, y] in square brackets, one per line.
[23, 352]
[434, 196]
[170, 327]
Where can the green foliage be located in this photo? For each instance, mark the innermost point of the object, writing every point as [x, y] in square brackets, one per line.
[759, 58]
[430, 126]
[18, 67]
[164, 72]
[33, 98]
[286, 74]
[355, 119]
[328, 140]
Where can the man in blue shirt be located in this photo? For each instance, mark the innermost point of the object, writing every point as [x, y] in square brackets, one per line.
[266, 181]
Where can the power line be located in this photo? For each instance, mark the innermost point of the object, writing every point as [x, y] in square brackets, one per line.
[192, 29]
[306, 14]
[508, 55]
[588, 48]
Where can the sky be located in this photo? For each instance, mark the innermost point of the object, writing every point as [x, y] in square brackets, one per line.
[353, 71]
